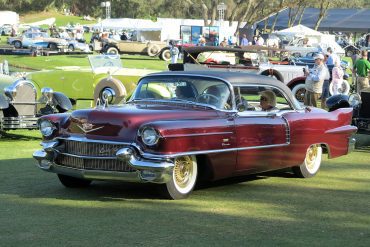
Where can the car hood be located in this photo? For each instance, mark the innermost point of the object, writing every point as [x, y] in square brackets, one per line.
[122, 123]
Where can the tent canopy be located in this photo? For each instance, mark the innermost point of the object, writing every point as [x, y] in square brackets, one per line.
[337, 20]
[298, 30]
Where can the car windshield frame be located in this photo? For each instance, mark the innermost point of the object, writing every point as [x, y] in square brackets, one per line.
[164, 89]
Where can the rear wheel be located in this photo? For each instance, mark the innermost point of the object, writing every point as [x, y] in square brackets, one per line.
[72, 182]
[184, 177]
[311, 163]
[299, 91]
[112, 51]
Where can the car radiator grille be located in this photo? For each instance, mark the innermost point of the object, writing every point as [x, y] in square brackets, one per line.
[105, 154]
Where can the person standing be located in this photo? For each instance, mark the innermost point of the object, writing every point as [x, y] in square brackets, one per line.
[244, 41]
[337, 78]
[332, 57]
[223, 42]
[314, 81]
[361, 69]
[174, 52]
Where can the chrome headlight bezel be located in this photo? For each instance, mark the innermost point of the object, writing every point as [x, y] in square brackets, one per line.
[354, 99]
[10, 92]
[47, 93]
[149, 136]
[46, 127]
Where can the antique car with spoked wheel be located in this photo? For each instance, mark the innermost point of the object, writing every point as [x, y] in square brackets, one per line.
[22, 103]
[179, 128]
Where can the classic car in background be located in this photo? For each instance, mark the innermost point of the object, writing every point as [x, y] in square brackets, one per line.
[74, 45]
[182, 127]
[22, 103]
[5, 29]
[251, 59]
[361, 108]
[38, 39]
[105, 78]
[141, 41]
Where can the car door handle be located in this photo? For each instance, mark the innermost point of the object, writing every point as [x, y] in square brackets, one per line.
[225, 144]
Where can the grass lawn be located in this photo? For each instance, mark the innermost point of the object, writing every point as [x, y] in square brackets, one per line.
[331, 209]
[50, 62]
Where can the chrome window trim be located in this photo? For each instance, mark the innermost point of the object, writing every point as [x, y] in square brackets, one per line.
[229, 85]
[291, 104]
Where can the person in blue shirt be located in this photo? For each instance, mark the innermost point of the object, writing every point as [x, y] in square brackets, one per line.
[244, 41]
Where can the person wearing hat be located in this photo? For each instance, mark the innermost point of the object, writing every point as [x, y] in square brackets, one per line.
[314, 81]
[268, 100]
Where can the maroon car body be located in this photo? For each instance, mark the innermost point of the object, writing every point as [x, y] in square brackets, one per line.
[158, 137]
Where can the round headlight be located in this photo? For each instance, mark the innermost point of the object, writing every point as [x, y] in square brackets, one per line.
[46, 127]
[11, 92]
[354, 99]
[149, 136]
[47, 93]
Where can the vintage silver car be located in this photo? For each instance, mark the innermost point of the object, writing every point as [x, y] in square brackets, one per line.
[21, 106]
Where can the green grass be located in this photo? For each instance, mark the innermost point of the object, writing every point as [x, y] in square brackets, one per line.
[61, 20]
[331, 209]
[50, 62]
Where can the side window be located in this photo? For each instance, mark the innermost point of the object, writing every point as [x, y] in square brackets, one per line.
[260, 98]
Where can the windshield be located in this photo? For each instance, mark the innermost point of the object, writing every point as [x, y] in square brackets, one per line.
[99, 62]
[189, 89]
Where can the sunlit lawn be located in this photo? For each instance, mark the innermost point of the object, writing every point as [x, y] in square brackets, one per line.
[331, 209]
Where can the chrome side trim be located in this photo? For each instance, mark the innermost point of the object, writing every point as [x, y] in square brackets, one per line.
[201, 134]
[171, 156]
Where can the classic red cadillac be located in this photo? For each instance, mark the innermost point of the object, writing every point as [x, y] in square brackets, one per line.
[182, 127]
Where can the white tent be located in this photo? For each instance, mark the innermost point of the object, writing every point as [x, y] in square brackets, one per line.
[299, 30]
[9, 17]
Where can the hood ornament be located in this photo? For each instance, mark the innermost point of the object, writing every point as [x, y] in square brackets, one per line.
[88, 127]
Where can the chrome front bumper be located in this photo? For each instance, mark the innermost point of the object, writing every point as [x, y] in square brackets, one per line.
[22, 122]
[351, 144]
[143, 170]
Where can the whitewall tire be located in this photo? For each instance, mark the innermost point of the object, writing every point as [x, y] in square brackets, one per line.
[311, 163]
[183, 179]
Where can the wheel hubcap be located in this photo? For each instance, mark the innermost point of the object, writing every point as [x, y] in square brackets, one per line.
[311, 157]
[183, 171]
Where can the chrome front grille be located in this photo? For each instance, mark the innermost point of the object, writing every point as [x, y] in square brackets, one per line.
[93, 164]
[91, 156]
[93, 149]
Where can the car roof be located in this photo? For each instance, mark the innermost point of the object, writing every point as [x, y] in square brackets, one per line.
[234, 78]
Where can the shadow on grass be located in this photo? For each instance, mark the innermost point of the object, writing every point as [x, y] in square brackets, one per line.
[7, 136]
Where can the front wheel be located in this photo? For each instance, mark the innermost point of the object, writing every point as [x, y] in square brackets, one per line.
[184, 177]
[311, 163]
[166, 55]
[72, 182]
[17, 44]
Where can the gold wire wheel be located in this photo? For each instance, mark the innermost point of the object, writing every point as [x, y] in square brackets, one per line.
[311, 157]
[183, 171]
